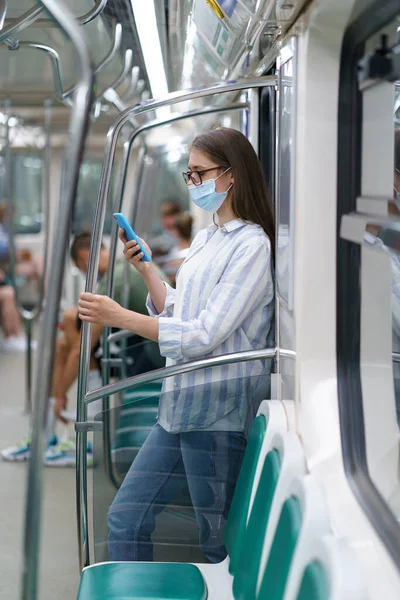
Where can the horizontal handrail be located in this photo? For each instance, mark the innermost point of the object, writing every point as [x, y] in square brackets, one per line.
[195, 365]
[30, 16]
[396, 357]
[119, 335]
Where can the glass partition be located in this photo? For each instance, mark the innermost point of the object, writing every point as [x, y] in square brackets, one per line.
[27, 180]
[86, 198]
[182, 483]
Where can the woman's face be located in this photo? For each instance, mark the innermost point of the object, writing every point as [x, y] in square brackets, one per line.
[200, 162]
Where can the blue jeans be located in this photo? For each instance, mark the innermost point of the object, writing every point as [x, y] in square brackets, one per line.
[208, 462]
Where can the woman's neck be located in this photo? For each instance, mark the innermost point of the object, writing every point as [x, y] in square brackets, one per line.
[225, 213]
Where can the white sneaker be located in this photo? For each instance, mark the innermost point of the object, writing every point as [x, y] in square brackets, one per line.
[64, 455]
[22, 451]
[17, 344]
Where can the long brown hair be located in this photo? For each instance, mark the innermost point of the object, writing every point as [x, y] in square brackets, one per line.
[250, 198]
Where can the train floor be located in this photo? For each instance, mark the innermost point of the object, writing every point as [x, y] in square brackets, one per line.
[59, 572]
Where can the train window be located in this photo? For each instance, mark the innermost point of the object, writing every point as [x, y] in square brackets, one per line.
[85, 205]
[26, 189]
[285, 189]
[368, 293]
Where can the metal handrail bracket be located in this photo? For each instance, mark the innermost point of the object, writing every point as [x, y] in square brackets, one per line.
[65, 95]
[78, 129]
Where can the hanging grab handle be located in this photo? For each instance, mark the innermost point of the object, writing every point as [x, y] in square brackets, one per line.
[65, 95]
[30, 16]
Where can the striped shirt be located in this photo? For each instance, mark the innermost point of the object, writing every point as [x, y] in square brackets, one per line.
[223, 303]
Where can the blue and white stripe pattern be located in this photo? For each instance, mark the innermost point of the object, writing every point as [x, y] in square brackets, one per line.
[223, 303]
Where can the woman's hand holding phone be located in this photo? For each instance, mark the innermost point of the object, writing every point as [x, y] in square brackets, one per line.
[132, 252]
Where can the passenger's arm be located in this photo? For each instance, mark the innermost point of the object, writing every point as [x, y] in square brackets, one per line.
[156, 287]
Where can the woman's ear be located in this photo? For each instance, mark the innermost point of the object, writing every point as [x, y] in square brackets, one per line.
[231, 177]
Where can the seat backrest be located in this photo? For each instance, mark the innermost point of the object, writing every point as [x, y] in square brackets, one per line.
[331, 572]
[245, 575]
[314, 584]
[282, 550]
[275, 419]
[277, 422]
[308, 519]
[316, 524]
[284, 462]
[237, 519]
[292, 465]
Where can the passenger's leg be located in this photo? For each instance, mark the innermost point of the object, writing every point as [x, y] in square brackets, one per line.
[10, 318]
[212, 463]
[154, 479]
[61, 356]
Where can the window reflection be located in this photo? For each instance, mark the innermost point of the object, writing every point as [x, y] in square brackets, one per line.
[388, 239]
[285, 180]
[26, 174]
[89, 179]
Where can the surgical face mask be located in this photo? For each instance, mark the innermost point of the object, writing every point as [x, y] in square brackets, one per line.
[205, 196]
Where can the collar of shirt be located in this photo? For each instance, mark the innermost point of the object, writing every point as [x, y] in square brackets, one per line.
[373, 240]
[228, 227]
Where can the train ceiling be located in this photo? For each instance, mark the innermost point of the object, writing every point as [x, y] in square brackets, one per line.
[175, 44]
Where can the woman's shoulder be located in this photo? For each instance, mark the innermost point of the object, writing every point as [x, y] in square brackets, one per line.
[253, 234]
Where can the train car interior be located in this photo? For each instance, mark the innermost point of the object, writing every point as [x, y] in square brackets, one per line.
[220, 421]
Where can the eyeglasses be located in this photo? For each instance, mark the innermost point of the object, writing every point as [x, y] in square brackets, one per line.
[196, 176]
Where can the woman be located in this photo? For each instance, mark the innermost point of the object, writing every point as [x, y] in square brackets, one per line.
[223, 303]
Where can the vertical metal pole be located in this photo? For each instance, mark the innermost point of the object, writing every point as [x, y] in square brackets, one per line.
[77, 133]
[107, 445]
[28, 370]
[119, 195]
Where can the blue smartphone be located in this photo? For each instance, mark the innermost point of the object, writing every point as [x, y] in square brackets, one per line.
[130, 234]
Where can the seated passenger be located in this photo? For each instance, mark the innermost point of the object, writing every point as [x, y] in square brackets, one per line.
[223, 303]
[166, 242]
[182, 232]
[66, 362]
[27, 266]
[14, 340]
